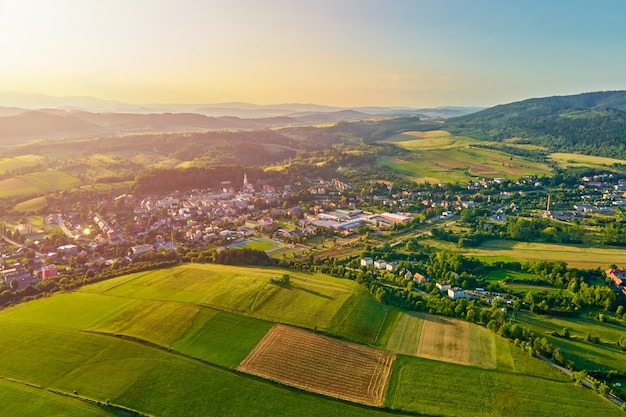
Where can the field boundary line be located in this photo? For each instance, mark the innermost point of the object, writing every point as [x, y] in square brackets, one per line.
[237, 372]
[77, 397]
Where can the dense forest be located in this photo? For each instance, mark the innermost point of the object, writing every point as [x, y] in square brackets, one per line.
[590, 123]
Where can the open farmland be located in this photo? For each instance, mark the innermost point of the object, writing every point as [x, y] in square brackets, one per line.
[310, 300]
[443, 339]
[8, 164]
[567, 160]
[17, 400]
[437, 156]
[446, 389]
[605, 354]
[583, 256]
[321, 364]
[143, 341]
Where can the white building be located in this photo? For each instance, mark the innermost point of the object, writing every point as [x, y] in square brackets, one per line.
[380, 264]
[456, 293]
[367, 262]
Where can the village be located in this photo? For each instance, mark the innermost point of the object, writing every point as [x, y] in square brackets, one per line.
[235, 215]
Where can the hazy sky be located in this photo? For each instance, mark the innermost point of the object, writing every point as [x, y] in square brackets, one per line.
[336, 52]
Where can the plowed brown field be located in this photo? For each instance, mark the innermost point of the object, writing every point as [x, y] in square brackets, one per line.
[321, 364]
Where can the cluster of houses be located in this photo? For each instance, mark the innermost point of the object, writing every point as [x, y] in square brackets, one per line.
[618, 277]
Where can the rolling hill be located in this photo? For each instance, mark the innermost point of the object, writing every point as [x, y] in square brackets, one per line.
[219, 340]
[589, 123]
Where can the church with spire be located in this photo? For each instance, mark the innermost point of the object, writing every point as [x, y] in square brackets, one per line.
[246, 185]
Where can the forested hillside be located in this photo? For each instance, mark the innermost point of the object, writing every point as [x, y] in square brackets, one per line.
[590, 123]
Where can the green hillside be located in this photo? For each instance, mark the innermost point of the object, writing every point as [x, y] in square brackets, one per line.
[590, 123]
[168, 342]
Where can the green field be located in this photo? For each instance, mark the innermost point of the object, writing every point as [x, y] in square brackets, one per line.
[167, 343]
[567, 160]
[443, 339]
[38, 182]
[261, 244]
[520, 284]
[416, 385]
[440, 157]
[7, 164]
[588, 355]
[310, 300]
[583, 256]
[17, 400]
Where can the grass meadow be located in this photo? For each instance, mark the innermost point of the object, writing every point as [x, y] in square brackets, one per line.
[18, 400]
[569, 160]
[583, 256]
[445, 389]
[310, 300]
[599, 356]
[191, 326]
[8, 164]
[440, 157]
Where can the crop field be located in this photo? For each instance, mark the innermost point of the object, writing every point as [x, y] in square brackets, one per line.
[453, 160]
[435, 139]
[18, 400]
[151, 342]
[443, 339]
[514, 275]
[363, 319]
[51, 180]
[310, 300]
[30, 206]
[15, 187]
[142, 378]
[446, 389]
[520, 284]
[156, 321]
[7, 164]
[566, 160]
[406, 336]
[577, 256]
[222, 338]
[320, 364]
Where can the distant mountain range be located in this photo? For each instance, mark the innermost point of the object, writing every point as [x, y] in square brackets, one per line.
[41, 117]
[235, 109]
[589, 123]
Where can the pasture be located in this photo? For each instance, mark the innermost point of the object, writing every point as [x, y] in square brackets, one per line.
[321, 364]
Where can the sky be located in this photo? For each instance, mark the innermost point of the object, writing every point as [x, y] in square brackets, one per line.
[350, 53]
